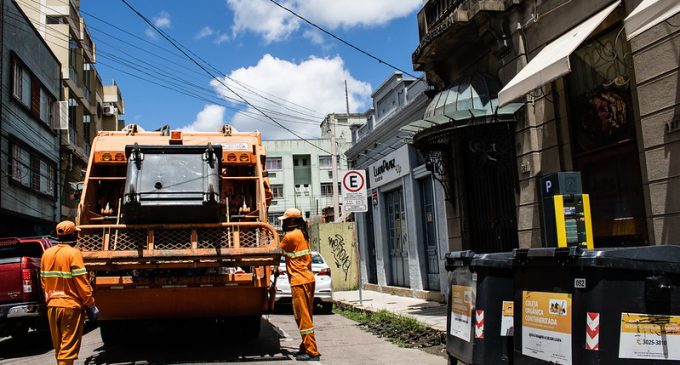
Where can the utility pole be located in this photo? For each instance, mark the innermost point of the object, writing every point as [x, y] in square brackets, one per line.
[334, 162]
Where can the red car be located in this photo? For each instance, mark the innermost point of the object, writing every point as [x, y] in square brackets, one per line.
[22, 303]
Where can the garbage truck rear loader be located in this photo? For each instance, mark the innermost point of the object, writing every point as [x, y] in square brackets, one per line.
[174, 225]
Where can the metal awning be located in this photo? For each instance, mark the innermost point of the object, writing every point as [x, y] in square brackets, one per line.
[464, 118]
[553, 60]
[471, 101]
[648, 14]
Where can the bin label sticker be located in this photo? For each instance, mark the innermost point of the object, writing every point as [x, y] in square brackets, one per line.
[462, 302]
[649, 337]
[546, 326]
[507, 320]
[579, 283]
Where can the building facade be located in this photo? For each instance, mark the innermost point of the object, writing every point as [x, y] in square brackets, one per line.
[300, 171]
[29, 142]
[523, 89]
[403, 235]
[82, 107]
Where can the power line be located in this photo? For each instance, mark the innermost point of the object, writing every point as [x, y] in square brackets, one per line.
[342, 40]
[175, 44]
[178, 87]
[249, 89]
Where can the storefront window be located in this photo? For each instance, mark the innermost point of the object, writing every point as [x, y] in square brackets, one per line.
[603, 139]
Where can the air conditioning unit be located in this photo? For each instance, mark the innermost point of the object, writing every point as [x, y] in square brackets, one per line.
[109, 110]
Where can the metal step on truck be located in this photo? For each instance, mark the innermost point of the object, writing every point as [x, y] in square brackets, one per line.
[174, 225]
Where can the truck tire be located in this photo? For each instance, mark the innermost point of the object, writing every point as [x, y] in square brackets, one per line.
[250, 327]
[112, 333]
[19, 333]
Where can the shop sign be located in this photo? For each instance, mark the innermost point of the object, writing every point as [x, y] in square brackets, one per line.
[649, 337]
[462, 302]
[546, 326]
[390, 167]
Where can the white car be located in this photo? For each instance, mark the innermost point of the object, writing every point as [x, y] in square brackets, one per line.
[323, 293]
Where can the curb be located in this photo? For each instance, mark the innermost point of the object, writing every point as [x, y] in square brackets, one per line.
[347, 306]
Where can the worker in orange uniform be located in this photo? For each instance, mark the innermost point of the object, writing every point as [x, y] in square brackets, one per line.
[295, 243]
[68, 294]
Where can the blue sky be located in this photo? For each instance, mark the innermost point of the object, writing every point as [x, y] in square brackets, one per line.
[284, 66]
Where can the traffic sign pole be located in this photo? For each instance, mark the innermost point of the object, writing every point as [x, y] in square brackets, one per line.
[354, 199]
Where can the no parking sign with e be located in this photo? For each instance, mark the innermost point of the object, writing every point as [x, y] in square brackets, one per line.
[354, 197]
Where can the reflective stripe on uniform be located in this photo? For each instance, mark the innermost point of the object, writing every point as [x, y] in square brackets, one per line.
[307, 331]
[63, 274]
[299, 253]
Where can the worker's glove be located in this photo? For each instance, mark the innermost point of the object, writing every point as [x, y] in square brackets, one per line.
[92, 312]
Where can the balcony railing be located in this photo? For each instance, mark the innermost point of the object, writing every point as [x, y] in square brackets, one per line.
[437, 10]
[438, 16]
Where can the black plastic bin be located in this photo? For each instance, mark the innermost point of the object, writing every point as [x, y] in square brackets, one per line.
[480, 286]
[608, 306]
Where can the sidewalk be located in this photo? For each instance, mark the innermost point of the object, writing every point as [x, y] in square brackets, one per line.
[432, 314]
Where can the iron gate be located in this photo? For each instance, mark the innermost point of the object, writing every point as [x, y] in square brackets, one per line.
[490, 180]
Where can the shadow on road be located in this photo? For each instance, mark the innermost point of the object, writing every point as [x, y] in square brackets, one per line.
[35, 343]
[186, 343]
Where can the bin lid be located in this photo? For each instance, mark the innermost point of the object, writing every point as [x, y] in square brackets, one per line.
[458, 258]
[664, 258]
[547, 252]
[501, 260]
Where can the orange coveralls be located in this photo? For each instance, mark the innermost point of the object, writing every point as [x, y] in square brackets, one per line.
[302, 284]
[67, 290]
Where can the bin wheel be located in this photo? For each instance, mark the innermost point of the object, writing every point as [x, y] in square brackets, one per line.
[453, 360]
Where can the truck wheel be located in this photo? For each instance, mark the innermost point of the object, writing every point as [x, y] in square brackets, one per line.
[250, 326]
[112, 333]
[19, 333]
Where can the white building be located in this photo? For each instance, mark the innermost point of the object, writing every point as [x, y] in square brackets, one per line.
[300, 171]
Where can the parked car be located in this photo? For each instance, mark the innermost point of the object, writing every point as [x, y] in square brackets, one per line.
[22, 303]
[323, 293]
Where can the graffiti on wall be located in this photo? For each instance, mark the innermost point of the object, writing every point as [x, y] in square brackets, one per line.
[341, 256]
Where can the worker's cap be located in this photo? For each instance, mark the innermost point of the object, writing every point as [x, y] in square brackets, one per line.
[291, 213]
[66, 229]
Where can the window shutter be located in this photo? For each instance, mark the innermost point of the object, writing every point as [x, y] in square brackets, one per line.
[61, 121]
[35, 97]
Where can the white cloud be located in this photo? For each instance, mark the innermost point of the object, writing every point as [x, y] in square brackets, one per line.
[262, 17]
[210, 119]
[204, 32]
[221, 38]
[275, 24]
[314, 36]
[162, 20]
[315, 87]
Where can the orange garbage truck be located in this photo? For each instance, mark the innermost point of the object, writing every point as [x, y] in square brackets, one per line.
[174, 225]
